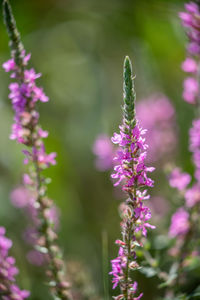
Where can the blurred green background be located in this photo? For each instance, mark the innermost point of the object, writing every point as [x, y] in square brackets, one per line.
[79, 46]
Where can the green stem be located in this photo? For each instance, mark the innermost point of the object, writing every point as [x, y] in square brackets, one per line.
[48, 242]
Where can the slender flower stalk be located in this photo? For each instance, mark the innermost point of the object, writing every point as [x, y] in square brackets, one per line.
[191, 21]
[131, 172]
[185, 221]
[24, 94]
[9, 290]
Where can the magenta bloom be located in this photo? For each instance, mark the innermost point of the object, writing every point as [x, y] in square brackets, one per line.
[192, 195]
[117, 264]
[9, 65]
[195, 146]
[191, 90]
[190, 20]
[104, 151]
[179, 223]
[160, 124]
[24, 97]
[195, 136]
[178, 179]
[8, 271]
[20, 197]
[136, 155]
[189, 65]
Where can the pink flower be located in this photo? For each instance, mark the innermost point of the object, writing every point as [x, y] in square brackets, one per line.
[117, 265]
[104, 152]
[20, 197]
[191, 88]
[192, 195]
[179, 223]
[8, 271]
[9, 65]
[186, 19]
[189, 65]
[195, 146]
[42, 133]
[192, 7]
[160, 124]
[178, 179]
[31, 76]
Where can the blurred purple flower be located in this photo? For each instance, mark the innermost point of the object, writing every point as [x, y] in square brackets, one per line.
[104, 151]
[157, 115]
[178, 179]
[195, 146]
[8, 271]
[179, 223]
[192, 195]
[190, 20]
[191, 90]
[20, 197]
[189, 65]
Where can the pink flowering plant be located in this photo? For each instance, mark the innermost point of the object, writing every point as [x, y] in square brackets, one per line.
[24, 96]
[190, 20]
[183, 249]
[131, 172]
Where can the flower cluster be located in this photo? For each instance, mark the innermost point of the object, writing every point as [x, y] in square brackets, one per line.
[8, 287]
[160, 123]
[191, 21]
[24, 94]
[103, 149]
[131, 158]
[195, 146]
[178, 179]
[131, 171]
[180, 223]
[161, 138]
[184, 222]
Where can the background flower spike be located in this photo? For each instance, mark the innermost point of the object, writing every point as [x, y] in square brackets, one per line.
[24, 95]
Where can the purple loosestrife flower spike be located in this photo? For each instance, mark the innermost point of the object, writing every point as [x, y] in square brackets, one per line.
[8, 287]
[131, 172]
[191, 21]
[27, 131]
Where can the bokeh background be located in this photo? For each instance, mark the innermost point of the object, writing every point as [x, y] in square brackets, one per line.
[79, 46]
